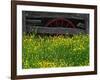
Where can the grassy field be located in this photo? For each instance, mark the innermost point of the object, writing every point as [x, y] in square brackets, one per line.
[55, 51]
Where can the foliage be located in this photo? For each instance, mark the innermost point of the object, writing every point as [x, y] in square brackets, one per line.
[54, 51]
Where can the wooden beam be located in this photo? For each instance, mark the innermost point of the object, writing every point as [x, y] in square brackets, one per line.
[57, 30]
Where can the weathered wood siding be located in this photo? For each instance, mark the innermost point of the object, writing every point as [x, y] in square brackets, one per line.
[31, 17]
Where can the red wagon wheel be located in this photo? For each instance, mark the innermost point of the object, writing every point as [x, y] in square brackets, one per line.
[60, 22]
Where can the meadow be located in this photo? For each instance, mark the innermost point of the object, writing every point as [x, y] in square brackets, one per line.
[54, 51]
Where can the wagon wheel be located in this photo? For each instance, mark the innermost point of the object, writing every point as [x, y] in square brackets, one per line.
[60, 22]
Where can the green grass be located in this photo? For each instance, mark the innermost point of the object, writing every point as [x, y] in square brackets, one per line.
[55, 51]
